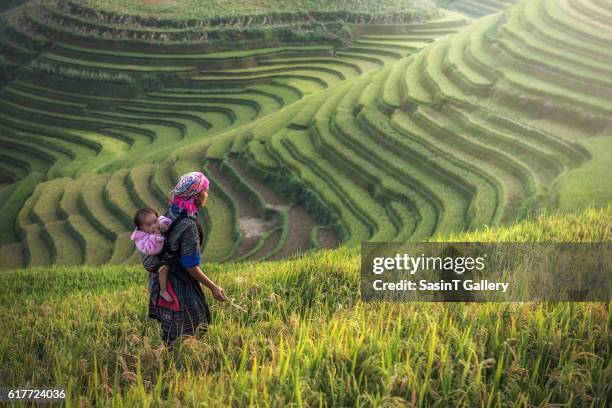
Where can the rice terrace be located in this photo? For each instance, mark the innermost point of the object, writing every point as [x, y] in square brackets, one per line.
[320, 125]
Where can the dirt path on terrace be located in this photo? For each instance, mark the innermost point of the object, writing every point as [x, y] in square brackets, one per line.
[327, 239]
[250, 223]
[299, 223]
[266, 193]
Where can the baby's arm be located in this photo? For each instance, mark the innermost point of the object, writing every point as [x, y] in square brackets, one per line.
[164, 223]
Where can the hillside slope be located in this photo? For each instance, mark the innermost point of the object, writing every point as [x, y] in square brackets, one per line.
[192, 10]
[193, 26]
[472, 130]
[408, 132]
[83, 107]
[476, 8]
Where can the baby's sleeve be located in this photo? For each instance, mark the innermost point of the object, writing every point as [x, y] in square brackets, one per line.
[152, 244]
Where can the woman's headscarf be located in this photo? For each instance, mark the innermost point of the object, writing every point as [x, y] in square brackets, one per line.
[182, 197]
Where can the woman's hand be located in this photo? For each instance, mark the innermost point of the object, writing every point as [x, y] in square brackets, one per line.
[218, 293]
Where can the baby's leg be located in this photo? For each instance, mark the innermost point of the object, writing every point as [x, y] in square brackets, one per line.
[163, 283]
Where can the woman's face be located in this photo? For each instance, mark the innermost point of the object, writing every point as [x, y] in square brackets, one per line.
[201, 198]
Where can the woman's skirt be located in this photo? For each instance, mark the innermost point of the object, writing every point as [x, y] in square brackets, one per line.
[187, 315]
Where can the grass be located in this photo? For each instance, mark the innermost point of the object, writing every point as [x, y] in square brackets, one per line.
[354, 197]
[532, 17]
[252, 196]
[91, 204]
[287, 107]
[96, 249]
[107, 72]
[215, 26]
[43, 67]
[219, 148]
[192, 58]
[317, 80]
[511, 178]
[139, 182]
[300, 335]
[8, 4]
[241, 106]
[118, 198]
[64, 137]
[557, 15]
[588, 185]
[355, 230]
[596, 12]
[221, 222]
[475, 9]
[546, 163]
[36, 158]
[404, 173]
[13, 198]
[57, 155]
[455, 61]
[552, 58]
[258, 154]
[392, 94]
[277, 68]
[193, 9]
[293, 341]
[431, 178]
[36, 249]
[415, 91]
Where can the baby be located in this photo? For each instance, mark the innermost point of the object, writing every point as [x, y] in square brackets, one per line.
[150, 241]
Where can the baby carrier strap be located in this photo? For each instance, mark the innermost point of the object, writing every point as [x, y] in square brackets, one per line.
[174, 223]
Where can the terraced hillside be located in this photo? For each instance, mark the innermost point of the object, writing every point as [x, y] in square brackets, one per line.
[473, 130]
[79, 109]
[9, 4]
[187, 11]
[407, 131]
[476, 8]
[149, 29]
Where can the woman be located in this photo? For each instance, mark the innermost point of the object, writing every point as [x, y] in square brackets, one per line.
[188, 313]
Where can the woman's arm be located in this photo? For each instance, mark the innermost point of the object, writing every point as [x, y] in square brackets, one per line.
[217, 291]
[190, 260]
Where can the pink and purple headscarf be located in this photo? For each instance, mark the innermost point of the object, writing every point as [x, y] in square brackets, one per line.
[184, 193]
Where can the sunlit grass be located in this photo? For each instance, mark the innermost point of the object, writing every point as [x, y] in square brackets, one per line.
[297, 334]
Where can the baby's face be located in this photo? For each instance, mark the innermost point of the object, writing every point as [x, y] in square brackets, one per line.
[149, 224]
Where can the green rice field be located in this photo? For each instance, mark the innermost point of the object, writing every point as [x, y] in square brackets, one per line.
[286, 339]
[321, 125]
